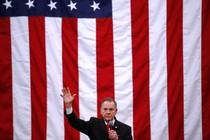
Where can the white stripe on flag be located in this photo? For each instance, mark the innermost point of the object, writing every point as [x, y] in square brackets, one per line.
[21, 78]
[55, 118]
[192, 69]
[158, 70]
[87, 69]
[123, 60]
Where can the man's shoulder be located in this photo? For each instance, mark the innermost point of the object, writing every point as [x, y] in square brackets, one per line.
[119, 123]
[94, 119]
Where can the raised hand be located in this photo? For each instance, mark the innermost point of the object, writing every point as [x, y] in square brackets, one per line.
[68, 98]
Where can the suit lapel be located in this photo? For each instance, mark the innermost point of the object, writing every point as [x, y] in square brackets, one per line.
[115, 124]
[103, 126]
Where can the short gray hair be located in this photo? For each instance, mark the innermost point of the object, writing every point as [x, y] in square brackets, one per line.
[109, 99]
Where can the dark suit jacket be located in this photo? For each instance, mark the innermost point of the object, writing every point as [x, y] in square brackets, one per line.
[95, 128]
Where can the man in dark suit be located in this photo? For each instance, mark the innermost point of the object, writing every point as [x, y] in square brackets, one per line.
[105, 128]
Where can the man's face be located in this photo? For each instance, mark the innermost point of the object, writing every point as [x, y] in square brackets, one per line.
[108, 111]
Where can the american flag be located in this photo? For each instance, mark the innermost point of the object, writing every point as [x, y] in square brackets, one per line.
[151, 56]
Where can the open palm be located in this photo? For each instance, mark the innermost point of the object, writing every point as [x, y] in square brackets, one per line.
[67, 96]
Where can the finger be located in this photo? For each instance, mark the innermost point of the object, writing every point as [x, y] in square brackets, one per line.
[65, 91]
[68, 90]
[74, 95]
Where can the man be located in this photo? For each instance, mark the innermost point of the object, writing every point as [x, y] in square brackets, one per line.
[107, 127]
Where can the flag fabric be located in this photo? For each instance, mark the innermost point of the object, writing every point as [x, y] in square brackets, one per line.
[152, 57]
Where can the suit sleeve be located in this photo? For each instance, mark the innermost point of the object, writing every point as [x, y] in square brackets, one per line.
[77, 123]
[128, 134]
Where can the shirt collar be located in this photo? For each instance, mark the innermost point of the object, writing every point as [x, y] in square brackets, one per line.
[111, 122]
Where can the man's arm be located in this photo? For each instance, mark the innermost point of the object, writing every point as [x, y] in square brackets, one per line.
[73, 120]
[77, 123]
[129, 135]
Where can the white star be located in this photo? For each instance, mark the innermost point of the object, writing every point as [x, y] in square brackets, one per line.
[52, 5]
[95, 5]
[7, 4]
[72, 5]
[30, 4]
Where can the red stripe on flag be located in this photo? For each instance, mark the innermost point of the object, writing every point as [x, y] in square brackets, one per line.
[6, 121]
[140, 51]
[206, 69]
[104, 59]
[70, 69]
[175, 69]
[38, 77]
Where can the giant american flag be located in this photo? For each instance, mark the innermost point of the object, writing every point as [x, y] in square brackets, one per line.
[151, 56]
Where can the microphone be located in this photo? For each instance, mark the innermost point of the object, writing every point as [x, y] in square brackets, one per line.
[111, 127]
[111, 123]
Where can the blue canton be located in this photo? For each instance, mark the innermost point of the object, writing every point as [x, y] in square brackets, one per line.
[57, 8]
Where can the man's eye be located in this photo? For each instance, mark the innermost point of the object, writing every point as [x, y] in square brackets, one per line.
[106, 109]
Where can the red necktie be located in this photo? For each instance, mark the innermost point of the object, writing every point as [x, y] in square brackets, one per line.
[107, 127]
